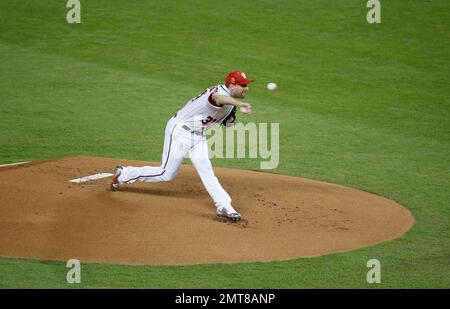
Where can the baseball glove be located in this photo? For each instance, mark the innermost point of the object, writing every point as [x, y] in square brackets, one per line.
[231, 119]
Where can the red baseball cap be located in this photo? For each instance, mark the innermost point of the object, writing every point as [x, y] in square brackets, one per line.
[237, 78]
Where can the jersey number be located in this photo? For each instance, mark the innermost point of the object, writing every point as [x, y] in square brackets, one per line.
[208, 120]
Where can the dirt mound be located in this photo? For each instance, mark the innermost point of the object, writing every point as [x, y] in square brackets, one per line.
[44, 216]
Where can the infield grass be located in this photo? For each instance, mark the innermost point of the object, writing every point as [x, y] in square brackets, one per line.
[361, 105]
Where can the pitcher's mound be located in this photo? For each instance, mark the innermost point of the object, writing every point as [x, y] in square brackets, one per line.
[44, 216]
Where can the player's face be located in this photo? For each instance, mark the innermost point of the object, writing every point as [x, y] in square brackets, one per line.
[240, 91]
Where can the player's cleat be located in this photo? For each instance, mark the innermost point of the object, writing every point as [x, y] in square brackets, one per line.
[115, 183]
[228, 214]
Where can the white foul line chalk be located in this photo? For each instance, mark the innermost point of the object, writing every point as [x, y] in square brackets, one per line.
[91, 177]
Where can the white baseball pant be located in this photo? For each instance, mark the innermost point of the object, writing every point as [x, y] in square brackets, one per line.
[177, 143]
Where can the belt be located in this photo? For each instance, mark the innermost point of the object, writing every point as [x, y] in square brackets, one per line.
[191, 131]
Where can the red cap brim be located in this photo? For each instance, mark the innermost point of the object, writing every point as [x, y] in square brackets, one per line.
[245, 81]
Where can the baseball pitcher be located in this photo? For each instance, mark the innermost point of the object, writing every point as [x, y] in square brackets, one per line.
[185, 134]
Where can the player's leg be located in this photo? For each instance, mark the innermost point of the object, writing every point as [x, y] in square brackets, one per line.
[172, 156]
[199, 157]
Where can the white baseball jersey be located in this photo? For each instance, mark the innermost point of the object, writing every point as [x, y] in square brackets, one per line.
[201, 112]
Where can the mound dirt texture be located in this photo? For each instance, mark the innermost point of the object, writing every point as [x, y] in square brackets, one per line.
[44, 216]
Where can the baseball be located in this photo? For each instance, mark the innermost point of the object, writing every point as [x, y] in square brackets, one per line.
[271, 86]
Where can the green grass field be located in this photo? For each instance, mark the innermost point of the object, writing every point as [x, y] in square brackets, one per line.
[364, 105]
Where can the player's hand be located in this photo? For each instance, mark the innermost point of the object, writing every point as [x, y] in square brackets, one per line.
[245, 109]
